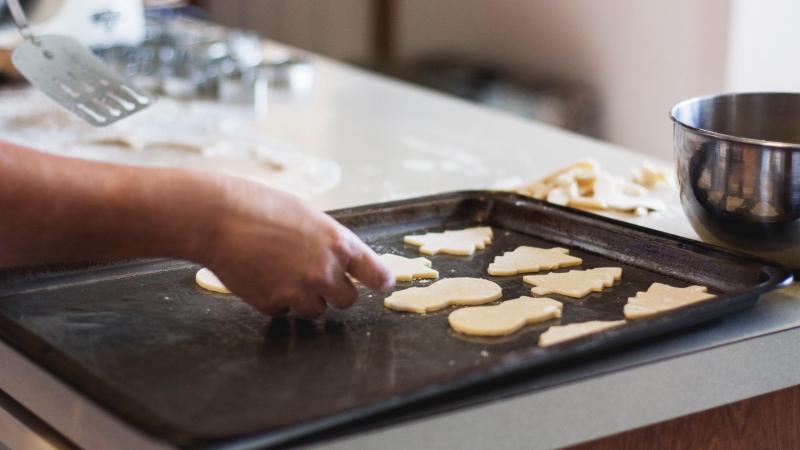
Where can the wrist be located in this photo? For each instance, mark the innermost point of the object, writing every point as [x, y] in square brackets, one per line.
[189, 219]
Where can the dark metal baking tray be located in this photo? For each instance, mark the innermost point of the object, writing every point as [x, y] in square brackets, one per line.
[204, 370]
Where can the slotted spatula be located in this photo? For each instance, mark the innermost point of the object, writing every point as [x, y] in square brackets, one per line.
[68, 73]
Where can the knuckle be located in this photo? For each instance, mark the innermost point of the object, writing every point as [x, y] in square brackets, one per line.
[340, 248]
[308, 312]
[316, 280]
[340, 241]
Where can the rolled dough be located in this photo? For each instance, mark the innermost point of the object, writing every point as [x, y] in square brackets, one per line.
[661, 297]
[575, 283]
[408, 269]
[562, 333]
[456, 242]
[443, 293]
[526, 259]
[208, 281]
[505, 318]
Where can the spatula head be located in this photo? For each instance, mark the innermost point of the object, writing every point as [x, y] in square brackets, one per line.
[68, 73]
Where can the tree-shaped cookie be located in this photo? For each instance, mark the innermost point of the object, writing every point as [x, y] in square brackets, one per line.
[661, 297]
[562, 333]
[443, 293]
[525, 259]
[575, 283]
[407, 269]
[454, 242]
[505, 318]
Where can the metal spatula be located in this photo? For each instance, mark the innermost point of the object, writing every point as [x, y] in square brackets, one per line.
[68, 73]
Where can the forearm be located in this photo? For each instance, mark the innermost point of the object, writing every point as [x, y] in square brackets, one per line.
[58, 209]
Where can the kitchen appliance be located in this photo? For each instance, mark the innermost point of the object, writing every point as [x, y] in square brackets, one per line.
[738, 163]
[204, 370]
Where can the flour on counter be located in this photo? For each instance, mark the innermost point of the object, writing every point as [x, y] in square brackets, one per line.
[193, 135]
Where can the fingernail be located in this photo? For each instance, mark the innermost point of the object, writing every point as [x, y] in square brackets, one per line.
[388, 284]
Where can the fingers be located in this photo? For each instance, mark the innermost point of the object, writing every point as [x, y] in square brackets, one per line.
[270, 309]
[365, 265]
[342, 294]
[310, 308]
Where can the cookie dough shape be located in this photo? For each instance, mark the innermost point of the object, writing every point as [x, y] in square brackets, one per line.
[505, 318]
[455, 242]
[208, 281]
[575, 283]
[408, 269]
[525, 259]
[562, 333]
[661, 297]
[443, 293]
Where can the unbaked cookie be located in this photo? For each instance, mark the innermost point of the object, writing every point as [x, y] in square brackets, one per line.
[525, 259]
[505, 318]
[443, 293]
[408, 269]
[208, 281]
[575, 283]
[454, 242]
[562, 333]
[661, 297]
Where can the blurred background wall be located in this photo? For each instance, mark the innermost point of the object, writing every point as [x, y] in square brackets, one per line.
[633, 59]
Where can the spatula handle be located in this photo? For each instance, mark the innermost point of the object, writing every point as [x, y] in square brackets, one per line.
[18, 14]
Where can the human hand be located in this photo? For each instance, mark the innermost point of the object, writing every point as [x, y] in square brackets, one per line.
[277, 253]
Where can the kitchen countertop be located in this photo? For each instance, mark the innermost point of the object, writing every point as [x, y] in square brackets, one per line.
[394, 141]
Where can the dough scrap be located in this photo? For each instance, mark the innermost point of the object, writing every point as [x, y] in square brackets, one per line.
[531, 259]
[455, 242]
[208, 281]
[443, 293]
[584, 185]
[408, 269]
[575, 283]
[562, 333]
[505, 318]
[583, 173]
[652, 177]
[661, 297]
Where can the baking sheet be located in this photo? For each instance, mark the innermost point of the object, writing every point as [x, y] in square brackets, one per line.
[201, 369]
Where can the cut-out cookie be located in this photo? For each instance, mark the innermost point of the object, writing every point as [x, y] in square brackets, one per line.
[562, 333]
[455, 242]
[208, 281]
[661, 297]
[443, 293]
[408, 269]
[505, 318]
[526, 259]
[575, 283]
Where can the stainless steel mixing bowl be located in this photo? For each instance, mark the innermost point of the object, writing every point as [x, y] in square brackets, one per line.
[738, 162]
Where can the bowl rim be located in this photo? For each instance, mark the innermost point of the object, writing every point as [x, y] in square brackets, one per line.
[729, 137]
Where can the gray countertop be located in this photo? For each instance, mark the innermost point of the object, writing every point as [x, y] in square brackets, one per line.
[393, 141]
